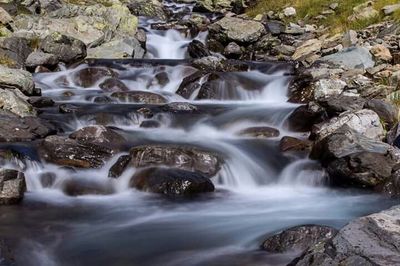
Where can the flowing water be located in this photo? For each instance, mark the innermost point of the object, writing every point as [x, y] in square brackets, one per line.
[259, 190]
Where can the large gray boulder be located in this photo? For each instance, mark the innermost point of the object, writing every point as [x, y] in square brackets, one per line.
[370, 240]
[122, 48]
[354, 57]
[15, 102]
[14, 51]
[17, 79]
[12, 187]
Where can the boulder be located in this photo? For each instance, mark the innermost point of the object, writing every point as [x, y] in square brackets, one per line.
[235, 29]
[364, 11]
[260, 132]
[69, 152]
[113, 85]
[365, 122]
[145, 97]
[381, 53]
[171, 182]
[179, 107]
[78, 187]
[17, 79]
[354, 57]
[150, 124]
[119, 166]
[15, 102]
[233, 50]
[14, 51]
[152, 8]
[216, 64]
[325, 88]
[335, 105]
[116, 49]
[307, 48]
[190, 84]
[100, 135]
[387, 112]
[298, 238]
[178, 156]
[66, 48]
[213, 6]
[294, 144]
[369, 240]
[40, 102]
[90, 76]
[39, 58]
[304, 117]
[197, 49]
[349, 39]
[15, 129]
[12, 186]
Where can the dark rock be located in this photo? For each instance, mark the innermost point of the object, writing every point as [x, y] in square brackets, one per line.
[392, 186]
[15, 129]
[171, 182]
[47, 179]
[190, 84]
[215, 64]
[387, 112]
[339, 104]
[76, 187]
[275, 27]
[162, 78]
[66, 48]
[139, 97]
[298, 238]
[14, 51]
[304, 117]
[146, 112]
[88, 77]
[7, 256]
[12, 186]
[260, 132]
[301, 89]
[197, 49]
[294, 144]
[178, 156]
[69, 152]
[67, 108]
[150, 124]
[233, 50]
[119, 166]
[40, 102]
[100, 135]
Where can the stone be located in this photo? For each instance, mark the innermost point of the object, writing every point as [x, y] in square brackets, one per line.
[40, 102]
[152, 8]
[36, 59]
[190, 84]
[349, 39]
[150, 124]
[213, 5]
[171, 182]
[5, 18]
[117, 49]
[216, 64]
[298, 238]
[381, 53]
[365, 122]
[113, 85]
[14, 51]
[100, 135]
[15, 102]
[238, 30]
[354, 57]
[184, 157]
[304, 117]
[288, 144]
[307, 48]
[90, 76]
[390, 9]
[17, 79]
[118, 168]
[145, 97]
[364, 11]
[69, 152]
[369, 240]
[336, 105]
[233, 50]
[325, 88]
[12, 186]
[260, 132]
[387, 112]
[179, 107]
[289, 12]
[66, 48]
[197, 49]
[78, 187]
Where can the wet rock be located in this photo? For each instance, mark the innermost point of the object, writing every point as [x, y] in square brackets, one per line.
[69, 152]
[179, 107]
[145, 8]
[122, 48]
[381, 53]
[301, 89]
[298, 238]
[171, 182]
[113, 85]
[139, 97]
[233, 29]
[365, 122]
[100, 135]
[215, 64]
[387, 112]
[47, 179]
[119, 166]
[15, 102]
[79, 187]
[67, 108]
[66, 48]
[17, 79]
[369, 240]
[150, 124]
[197, 49]
[12, 186]
[233, 50]
[88, 77]
[294, 144]
[260, 132]
[36, 59]
[304, 117]
[190, 84]
[355, 57]
[336, 105]
[14, 51]
[178, 156]
[15, 129]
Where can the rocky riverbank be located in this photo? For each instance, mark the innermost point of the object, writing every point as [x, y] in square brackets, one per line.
[345, 85]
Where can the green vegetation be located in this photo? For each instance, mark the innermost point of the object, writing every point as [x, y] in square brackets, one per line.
[308, 10]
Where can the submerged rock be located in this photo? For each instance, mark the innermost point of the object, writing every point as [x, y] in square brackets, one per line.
[119, 166]
[79, 187]
[12, 187]
[216, 64]
[90, 76]
[197, 49]
[260, 132]
[294, 144]
[171, 182]
[99, 135]
[145, 97]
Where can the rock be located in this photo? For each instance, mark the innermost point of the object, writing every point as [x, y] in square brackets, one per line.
[381, 53]
[190, 84]
[178, 156]
[179, 107]
[387, 112]
[364, 11]
[40, 102]
[79, 187]
[145, 8]
[171, 182]
[16, 129]
[17, 79]
[294, 144]
[233, 50]
[36, 59]
[69, 152]
[118, 168]
[5, 18]
[145, 97]
[336, 105]
[369, 240]
[304, 117]
[237, 30]
[260, 132]
[298, 238]
[355, 57]
[216, 64]
[365, 122]
[66, 48]
[90, 76]
[14, 51]
[122, 48]
[307, 48]
[113, 85]
[100, 135]
[390, 9]
[349, 39]
[150, 124]
[12, 186]
[325, 88]
[197, 49]
[15, 102]
[289, 12]
[214, 6]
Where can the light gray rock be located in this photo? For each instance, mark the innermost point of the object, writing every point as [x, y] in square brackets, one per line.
[237, 30]
[390, 9]
[124, 48]
[66, 48]
[364, 11]
[15, 102]
[324, 88]
[356, 57]
[289, 12]
[41, 59]
[349, 39]
[17, 79]
[307, 48]
[12, 186]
